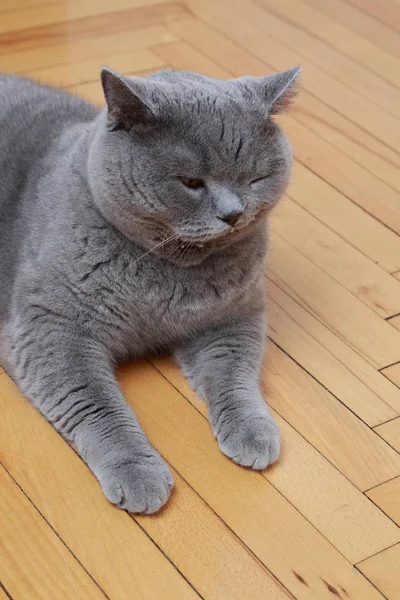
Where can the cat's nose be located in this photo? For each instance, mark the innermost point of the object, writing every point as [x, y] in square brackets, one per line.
[231, 218]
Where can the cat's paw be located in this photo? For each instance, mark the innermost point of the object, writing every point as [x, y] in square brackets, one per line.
[252, 440]
[139, 487]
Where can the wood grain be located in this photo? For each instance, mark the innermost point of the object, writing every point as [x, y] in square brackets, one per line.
[338, 36]
[61, 12]
[387, 497]
[3, 595]
[327, 424]
[390, 432]
[362, 23]
[339, 213]
[386, 11]
[85, 49]
[39, 565]
[351, 379]
[122, 20]
[350, 319]
[395, 322]
[336, 257]
[207, 552]
[89, 70]
[383, 570]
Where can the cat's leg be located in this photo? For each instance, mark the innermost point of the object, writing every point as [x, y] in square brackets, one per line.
[69, 378]
[223, 366]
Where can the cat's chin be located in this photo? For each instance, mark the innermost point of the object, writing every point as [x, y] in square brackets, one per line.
[193, 252]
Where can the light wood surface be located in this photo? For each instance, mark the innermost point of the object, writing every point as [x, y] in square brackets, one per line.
[324, 521]
[36, 565]
[383, 570]
[3, 594]
[390, 432]
[387, 497]
[395, 322]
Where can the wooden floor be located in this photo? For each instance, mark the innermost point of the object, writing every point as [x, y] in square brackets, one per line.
[324, 522]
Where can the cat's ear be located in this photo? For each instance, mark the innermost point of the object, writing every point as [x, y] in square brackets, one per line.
[280, 89]
[276, 91]
[126, 103]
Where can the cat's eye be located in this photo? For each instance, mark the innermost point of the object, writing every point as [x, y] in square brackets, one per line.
[259, 179]
[194, 184]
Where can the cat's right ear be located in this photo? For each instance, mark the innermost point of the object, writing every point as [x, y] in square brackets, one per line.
[126, 105]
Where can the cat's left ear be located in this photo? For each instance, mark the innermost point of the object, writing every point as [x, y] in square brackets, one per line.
[126, 101]
[277, 91]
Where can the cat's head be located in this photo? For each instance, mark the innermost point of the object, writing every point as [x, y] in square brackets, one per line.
[183, 156]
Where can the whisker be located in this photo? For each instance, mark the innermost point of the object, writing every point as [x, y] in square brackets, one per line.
[174, 236]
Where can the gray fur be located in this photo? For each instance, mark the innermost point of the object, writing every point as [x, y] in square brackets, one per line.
[106, 255]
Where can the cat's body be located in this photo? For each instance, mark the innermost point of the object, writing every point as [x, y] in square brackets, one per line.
[83, 286]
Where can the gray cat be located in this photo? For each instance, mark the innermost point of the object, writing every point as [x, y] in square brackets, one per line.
[135, 229]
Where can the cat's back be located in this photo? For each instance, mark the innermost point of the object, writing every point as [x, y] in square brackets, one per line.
[32, 120]
[32, 117]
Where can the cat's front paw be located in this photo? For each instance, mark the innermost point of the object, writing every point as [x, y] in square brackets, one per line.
[137, 485]
[251, 440]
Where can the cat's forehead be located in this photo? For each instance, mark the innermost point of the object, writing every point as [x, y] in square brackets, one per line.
[195, 93]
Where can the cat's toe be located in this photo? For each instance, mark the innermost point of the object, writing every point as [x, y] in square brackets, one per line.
[137, 487]
[252, 442]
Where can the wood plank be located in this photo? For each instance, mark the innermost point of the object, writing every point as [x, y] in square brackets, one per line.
[69, 497]
[187, 58]
[397, 275]
[387, 497]
[92, 90]
[48, 14]
[362, 23]
[384, 10]
[130, 19]
[316, 49]
[13, 5]
[395, 322]
[390, 432]
[349, 138]
[34, 562]
[338, 36]
[3, 595]
[383, 570]
[334, 364]
[89, 70]
[245, 500]
[278, 56]
[306, 323]
[393, 373]
[352, 179]
[318, 490]
[85, 49]
[329, 426]
[207, 552]
[338, 212]
[358, 274]
[350, 319]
